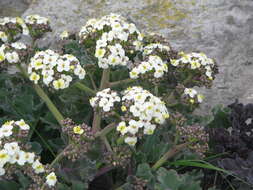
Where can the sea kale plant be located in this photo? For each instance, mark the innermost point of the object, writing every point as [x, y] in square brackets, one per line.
[113, 106]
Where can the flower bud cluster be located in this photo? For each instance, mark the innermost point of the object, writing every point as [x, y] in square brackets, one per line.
[105, 100]
[138, 183]
[142, 111]
[204, 68]
[192, 96]
[115, 39]
[13, 53]
[37, 25]
[81, 136]
[197, 135]
[120, 157]
[10, 27]
[56, 71]
[14, 153]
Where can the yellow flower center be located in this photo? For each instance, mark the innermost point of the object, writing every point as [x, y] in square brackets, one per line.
[78, 130]
[123, 108]
[3, 155]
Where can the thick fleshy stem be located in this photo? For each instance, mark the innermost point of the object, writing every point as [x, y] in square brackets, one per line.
[84, 88]
[96, 122]
[171, 153]
[58, 116]
[121, 82]
[105, 130]
[105, 79]
[103, 84]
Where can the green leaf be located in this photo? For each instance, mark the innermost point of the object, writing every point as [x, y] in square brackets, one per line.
[35, 147]
[24, 181]
[168, 179]
[9, 185]
[144, 172]
[76, 185]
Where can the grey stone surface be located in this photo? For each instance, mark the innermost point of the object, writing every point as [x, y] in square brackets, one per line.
[220, 28]
[13, 7]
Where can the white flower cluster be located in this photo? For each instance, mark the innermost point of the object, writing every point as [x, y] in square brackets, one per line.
[105, 99]
[118, 38]
[154, 63]
[149, 49]
[10, 53]
[146, 110]
[193, 95]
[19, 22]
[55, 70]
[36, 19]
[196, 61]
[12, 153]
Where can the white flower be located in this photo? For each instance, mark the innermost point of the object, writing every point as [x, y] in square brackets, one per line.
[29, 157]
[12, 148]
[12, 57]
[3, 36]
[191, 92]
[149, 129]
[2, 56]
[38, 167]
[200, 98]
[21, 158]
[59, 84]
[100, 53]
[131, 140]
[18, 45]
[134, 74]
[4, 157]
[63, 66]
[134, 126]
[5, 131]
[22, 125]
[36, 19]
[122, 128]
[51, 179]
[105, 99]
[34, 77]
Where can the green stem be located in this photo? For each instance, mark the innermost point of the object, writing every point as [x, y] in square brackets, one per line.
[92, 81]
[58, 116]
[84, 88]
[96, 122]
[156, 90]
[105, 79]
[105, 130]
[117, 83]
[171, 153]
[107, 144]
